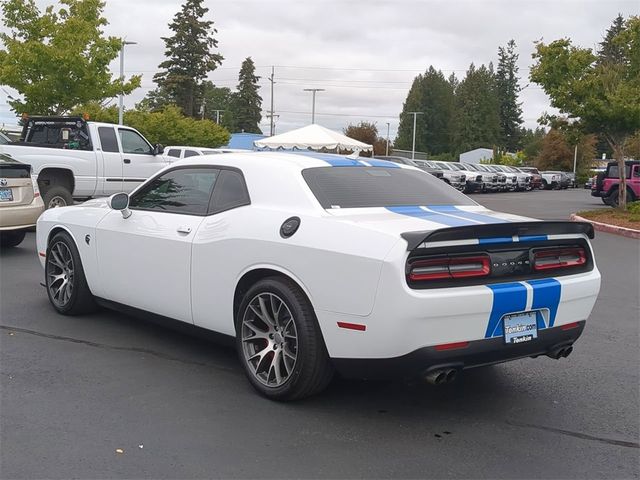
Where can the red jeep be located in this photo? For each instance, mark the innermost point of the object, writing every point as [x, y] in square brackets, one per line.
[606, 184]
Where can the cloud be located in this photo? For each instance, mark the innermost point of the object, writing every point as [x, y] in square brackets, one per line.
[364, 53]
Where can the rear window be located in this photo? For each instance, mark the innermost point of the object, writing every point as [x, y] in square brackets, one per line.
[614, 172]
[356, 187]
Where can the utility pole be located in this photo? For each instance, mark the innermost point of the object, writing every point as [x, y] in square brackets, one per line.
[413, 148]
[575, 159]
[271, 113]
[121, 96]
[313, 101]
[388, 126]
[218, 115]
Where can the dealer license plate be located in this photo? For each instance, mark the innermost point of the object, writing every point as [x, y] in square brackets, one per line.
[6, 195]
[520, 327]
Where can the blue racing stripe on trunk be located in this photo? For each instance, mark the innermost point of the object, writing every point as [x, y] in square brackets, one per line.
[482, 241]
[418, 212]
[533, 238]
[507, 298]
[477, 217]
[546, 294]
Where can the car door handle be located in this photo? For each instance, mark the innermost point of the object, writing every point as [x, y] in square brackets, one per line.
[126, 160]
[184, 229]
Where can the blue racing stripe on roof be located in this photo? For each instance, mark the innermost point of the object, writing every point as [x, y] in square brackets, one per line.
[417, 212]
[374, 162]
[507, 298]
[546, 294]
[478, 217]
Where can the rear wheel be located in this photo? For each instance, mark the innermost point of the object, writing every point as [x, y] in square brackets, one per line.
[11, 238]
[279, 342]
[64, 277]
[57, 196]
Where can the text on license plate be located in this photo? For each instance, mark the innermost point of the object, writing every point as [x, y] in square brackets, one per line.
[520, 327]
[6, 195]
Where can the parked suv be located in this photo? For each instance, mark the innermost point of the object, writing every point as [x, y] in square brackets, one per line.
[607, 183]
[20, 202]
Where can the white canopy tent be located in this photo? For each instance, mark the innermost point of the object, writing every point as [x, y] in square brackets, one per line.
[312, 137]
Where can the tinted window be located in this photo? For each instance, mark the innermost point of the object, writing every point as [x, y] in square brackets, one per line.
[132, 142]
[230, 191]
[353, 187]
[190, 153]
[108, 139]
[174, 153]
[184, 190]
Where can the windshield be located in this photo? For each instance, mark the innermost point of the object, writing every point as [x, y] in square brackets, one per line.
[358, 187]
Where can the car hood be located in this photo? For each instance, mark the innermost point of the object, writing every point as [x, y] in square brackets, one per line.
[398, 220]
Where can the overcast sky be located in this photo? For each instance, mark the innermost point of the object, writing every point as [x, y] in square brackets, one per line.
[364, 53]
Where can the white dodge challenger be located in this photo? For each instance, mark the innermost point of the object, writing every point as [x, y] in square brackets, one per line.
[317, 263]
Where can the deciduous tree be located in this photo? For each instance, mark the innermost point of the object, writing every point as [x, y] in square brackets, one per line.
[367, 132]
[57, 59]
[600, 93]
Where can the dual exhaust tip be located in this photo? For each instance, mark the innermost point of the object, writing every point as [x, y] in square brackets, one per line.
[441, 376]
[561, 352]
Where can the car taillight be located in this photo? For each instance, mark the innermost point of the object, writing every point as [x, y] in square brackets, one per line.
[36, 190]
[450, 268]
[559, 258]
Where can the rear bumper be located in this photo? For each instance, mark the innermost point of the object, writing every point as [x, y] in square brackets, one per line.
[21, 216]
[475, 354]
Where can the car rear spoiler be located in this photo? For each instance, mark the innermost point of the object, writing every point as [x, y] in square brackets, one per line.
[414, 239]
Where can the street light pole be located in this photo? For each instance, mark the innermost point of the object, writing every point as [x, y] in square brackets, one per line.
[121, 96]
[413, 148]
[387, 150]
[313, 101]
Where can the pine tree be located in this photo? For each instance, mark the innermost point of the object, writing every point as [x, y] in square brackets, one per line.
[477, 118]
[610, 51]
[190, 56]
[508, 90]
[246, 102]
[433, 95]
[413, 103]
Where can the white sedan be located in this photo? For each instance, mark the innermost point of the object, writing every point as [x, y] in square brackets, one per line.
[317, 263]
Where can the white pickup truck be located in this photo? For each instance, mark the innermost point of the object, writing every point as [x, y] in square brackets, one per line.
[73, 158]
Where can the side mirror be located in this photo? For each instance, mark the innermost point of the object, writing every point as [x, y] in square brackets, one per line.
[120, 202]
[158, 149]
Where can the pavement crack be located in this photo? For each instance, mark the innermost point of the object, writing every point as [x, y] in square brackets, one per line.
[584, 436]
[105, 346]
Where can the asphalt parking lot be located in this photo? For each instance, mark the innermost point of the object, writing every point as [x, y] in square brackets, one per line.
[76, 389]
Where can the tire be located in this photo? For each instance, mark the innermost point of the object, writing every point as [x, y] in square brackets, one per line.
[57, 196]
[65, 282]
[293, 347]
[545, 185]
[11, 238]
[605, 200]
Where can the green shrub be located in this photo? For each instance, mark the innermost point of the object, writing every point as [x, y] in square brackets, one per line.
[634, 208]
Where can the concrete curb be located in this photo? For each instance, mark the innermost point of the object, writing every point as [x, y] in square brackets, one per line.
[605, 227]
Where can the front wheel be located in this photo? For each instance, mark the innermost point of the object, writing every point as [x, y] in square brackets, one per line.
[280, 343]
[64, 277]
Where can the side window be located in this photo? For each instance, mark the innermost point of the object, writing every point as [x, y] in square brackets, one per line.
[174, 153]
[230, 192]
[190, 153]
[108, 139]
[636, 171]
[132, 142]
[184, 190]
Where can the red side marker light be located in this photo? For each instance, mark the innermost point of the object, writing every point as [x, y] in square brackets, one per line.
[451, 346]
[42, 254]
[352, 326]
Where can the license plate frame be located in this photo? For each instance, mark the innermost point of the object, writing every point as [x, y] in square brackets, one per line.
[521, 327]
[6, 195]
